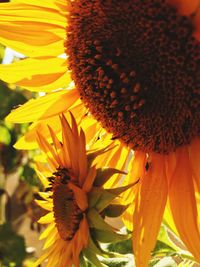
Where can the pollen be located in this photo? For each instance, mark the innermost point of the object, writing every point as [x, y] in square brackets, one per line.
[67, 214]
[136, 65]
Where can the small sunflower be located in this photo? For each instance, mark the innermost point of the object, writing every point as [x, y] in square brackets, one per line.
[75, 200]
[135, 68]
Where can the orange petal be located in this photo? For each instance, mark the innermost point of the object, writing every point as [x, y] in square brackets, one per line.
[170, 165]
[149, 208]
[183, 203]
[194, 154]
[197, 25]
[89, 179]
[80, 196]
[185, 7]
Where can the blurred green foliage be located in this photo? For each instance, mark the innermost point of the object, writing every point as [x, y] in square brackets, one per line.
[12, 247]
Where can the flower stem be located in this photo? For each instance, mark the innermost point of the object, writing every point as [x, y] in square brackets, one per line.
[2, 196]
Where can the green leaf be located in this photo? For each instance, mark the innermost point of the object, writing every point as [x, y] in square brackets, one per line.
[164, 244]
[120, 262]
[5, 137]
[123, 247]
[9, 99]
[166, 262]
[12, 246]
[29, 175]
[104, 174]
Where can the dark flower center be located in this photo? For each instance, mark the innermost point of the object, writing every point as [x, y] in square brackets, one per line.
[67, 214]
[136, 65]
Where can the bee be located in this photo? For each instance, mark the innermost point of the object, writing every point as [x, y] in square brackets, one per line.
[147, 166]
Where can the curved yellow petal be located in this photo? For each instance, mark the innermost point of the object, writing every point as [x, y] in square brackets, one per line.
[28, 141]
[83, 166]
[44, 107]
[48, 218]
[47, 231]
[22, 25]
[183, 203]
[19, 12]
[38, 74]
[59, 5]
[149, 208]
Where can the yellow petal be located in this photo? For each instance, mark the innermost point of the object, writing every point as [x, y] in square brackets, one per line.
[28, 141]
[51, 239]
[47, 231]
[48, 218]
[82, 158]
[22, 25]
[183, 203]
[49, 151]
[118, 161]
[149, 208]
[37, 74]
[44, 107]
[45, 204]
[70, 146]
[19, 12]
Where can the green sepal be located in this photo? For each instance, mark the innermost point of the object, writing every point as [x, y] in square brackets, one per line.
[104, 200]
[95, 247]
[96, 221]
[83, 262]
[115, 210]
[93, 154]
[119, 190]
[88, 254]
[94, 195]
[108, 195]
[109, 236]
[104, 174]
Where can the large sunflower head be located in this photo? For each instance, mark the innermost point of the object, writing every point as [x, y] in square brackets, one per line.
[135, 66]
[75, 200]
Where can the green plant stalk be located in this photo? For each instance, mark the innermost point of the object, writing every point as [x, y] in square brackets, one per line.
[2, 196]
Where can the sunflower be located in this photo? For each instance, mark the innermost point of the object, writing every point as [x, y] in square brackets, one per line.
[135, 71]
[75, 200]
